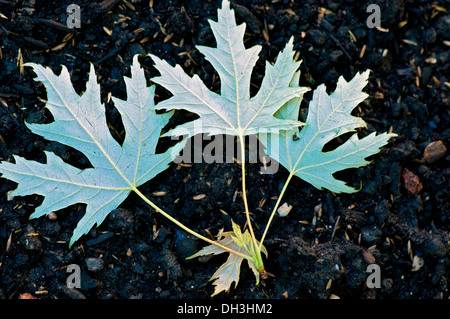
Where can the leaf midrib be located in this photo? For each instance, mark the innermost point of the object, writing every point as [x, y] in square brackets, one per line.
[67, 182]
[342, 157]
[324, 122]
[239, 132]
[132, 187]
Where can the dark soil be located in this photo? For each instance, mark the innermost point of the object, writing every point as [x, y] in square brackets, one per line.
[323, 247]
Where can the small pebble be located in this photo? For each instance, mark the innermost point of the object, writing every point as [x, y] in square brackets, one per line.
[94, 264]
[371, 234]
[284, 210]
[417, 263]
[434, 246]
[412, 182]
[434, 151]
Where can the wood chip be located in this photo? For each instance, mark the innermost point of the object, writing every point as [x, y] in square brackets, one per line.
[159, 193]
[8, 243]
[186, 178]
[108, 31]
[363, 50]
[122, 19]
[184, 165]
[409, 42]
[265, 34]
[168, 37]
[318, 210]
[27, 295]
[262, 202]
[439, 8]
[67, 37]
[129, 5]
[20, 62]
[382, 29]
[59, 46]
[436, 80]
[199, 197]
[138, 30]
[352, 36]
[330, 281]
[401, 24]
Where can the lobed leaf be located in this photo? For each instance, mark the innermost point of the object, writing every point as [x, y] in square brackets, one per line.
[232, 111]
[229, 271]
[80, 122]
[329, 116]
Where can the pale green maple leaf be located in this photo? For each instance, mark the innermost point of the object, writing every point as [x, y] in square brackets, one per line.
[230, 270]
[232, 111]
[329, 116]
[80, 122]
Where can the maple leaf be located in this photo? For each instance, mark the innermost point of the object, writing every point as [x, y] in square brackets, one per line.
[80, 122]
[232, 111]
[229, 271]
[329, 116]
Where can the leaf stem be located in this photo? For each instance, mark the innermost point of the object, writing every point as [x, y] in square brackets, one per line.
[247, 212]
[187, 229]
[275, 209]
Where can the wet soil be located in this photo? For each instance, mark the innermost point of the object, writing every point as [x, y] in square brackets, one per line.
[399, 220]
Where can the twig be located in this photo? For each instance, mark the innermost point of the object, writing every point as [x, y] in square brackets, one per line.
[56, 25]
[336, 41]
[10, 114]
[335, 227]
[107, 5]
[109, 55]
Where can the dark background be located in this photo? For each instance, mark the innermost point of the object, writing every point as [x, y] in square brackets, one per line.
[401, 212]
